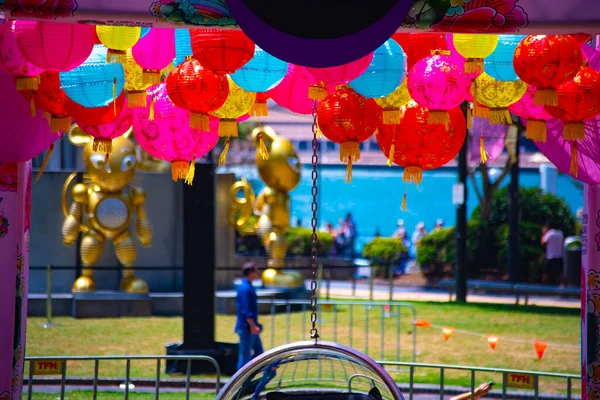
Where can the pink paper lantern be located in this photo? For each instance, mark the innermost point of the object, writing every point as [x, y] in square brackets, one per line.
[291, 92]
[22, 136]
[14, 60]
[168, 135]
[57, 47]
[154, 52]
[338, 75]
[437, 83]
[105, 133]
[537, 116]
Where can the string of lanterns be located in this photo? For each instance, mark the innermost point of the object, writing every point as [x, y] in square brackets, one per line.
[407, 92]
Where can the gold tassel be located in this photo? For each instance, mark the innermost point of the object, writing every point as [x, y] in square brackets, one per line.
[189, 179]
[482, 151]
[115, 95]
[228, 128]
[199, 121]
[260, 109]
[26, 83]
[348, 177]
[413, 175]
[390, 160]
[179, 170]
[546, 97]
[317, 92]
[136, 99]
[60, 124]
[574, 131]
[574, 161]
[116, 56]
[499, 116]
[102, 146]
[403, 206]
[481, 111]
[151, 113]
[262, 149]
[45, 162]
[391, 116]
[474, 66]
[319, 133]
[150, 76]
[536, 130]
[32, 104]
[469, 118]
[223, 156]
[438, 117]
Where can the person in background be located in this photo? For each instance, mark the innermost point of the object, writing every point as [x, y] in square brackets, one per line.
[439, 225]
[333, 233]
[352, 234]
[400, 230]
[418, 234]
[404, 256]
[553, 241]
[247, 326]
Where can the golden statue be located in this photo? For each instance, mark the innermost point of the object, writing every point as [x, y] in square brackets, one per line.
[280, 172]
[102, 209]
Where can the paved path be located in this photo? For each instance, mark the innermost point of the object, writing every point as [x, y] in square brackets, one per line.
[343, 289]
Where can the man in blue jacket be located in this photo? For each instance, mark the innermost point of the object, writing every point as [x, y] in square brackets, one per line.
[247, 326]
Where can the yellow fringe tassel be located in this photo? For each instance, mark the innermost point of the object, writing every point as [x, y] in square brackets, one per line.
[228, 128]
[536, 130]
[115, 95]
[151, 76]
[413, 175]
[390, 160]
[45, 162]
[179, 170]
[151, 112]
[26, 83]
[391, 116]
[32, 104]
[116, 56]
[474, 66]
[348, 176]
[319, 133]
[499, 116]
[102, 146]
[403, 206]
[481, 111]
[349, 153]
[262, 149]
[438, 117]
[317, 92]
[136, 99]
[484, 154]
[574, 161]
[546, 97]
[223, 156]
[189, 179]
[199, 121]
[60, 124]
[469, 118]
[260, 109]
[574, 131]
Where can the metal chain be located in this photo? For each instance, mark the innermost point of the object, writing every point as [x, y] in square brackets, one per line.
[314, 334]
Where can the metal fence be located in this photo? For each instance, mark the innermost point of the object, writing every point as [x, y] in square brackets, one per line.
[382, 331]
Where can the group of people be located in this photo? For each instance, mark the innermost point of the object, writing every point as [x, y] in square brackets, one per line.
[344, 236]
[411, 244]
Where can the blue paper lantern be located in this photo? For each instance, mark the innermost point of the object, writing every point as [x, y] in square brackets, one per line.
[499, 64]
[384, 74]
[94, 84]
[183, 45]
[98, 55]
[144, 32]
[263, 72]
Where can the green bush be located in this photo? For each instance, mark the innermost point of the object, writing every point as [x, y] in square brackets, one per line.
[531, 253]
[437, 250]
[299, 242]
[384, 250]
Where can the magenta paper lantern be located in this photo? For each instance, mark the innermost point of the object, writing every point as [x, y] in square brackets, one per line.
[536, 115]
[336, 75]
[291, 91]
[437, 83]
[168, 135]
[22, 136]
[14, 61]
[154, 52]
[105, 133]
[57, 47]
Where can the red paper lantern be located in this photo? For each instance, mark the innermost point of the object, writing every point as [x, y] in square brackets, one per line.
[347, 118]
[51, 98]
[96, 115]
[417, 46]
[578, 101]
[222, 51]
[417, 145]
[546, 61]
[197, 89]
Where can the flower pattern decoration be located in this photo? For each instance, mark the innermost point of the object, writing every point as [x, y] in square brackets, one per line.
[44, 9]
[490, 16]
[192, 12]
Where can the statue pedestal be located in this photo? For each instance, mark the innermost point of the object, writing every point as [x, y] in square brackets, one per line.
[111, 304]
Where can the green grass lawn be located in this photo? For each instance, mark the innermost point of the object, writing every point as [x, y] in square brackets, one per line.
[149, 335]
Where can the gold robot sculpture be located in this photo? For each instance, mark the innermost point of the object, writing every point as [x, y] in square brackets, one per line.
[281, 174]
[102, 209]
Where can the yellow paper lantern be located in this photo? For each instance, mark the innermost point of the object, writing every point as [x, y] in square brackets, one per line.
[393, 102]
[474, 48]
[134, 84]
[497, 96]
[118, 39]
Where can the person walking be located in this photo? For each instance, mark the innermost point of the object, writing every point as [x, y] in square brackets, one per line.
[553, 240]
[247, 326]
